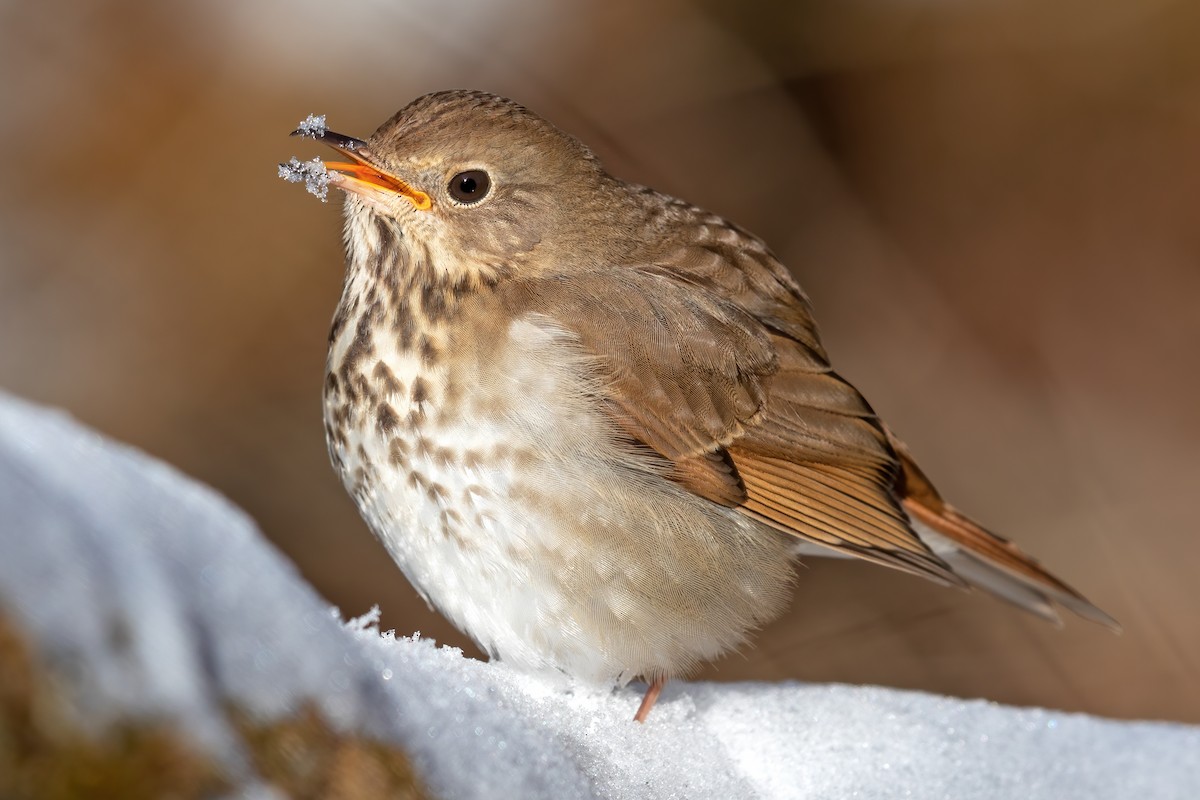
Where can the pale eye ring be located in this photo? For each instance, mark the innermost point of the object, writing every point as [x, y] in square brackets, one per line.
[470, 186]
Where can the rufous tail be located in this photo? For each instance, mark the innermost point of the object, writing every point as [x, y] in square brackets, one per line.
[982, 558]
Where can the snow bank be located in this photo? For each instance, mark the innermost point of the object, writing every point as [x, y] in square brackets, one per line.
[97, 538]
[150, 595]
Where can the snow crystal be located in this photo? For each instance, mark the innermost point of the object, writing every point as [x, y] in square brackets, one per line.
[312, 126]
[96, 536]
[313, 173]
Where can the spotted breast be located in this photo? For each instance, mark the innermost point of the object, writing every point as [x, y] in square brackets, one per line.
[470, 435]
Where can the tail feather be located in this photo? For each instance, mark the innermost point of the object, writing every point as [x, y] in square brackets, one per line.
[982, 558]
[979, 573]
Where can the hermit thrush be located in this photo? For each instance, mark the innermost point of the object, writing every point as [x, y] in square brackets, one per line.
[593, 424]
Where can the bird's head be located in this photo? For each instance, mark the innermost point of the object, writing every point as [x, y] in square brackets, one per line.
[470, 184]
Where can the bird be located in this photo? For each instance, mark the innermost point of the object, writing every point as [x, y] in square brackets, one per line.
[595, 425]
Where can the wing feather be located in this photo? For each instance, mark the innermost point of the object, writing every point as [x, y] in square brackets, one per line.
[708, 355]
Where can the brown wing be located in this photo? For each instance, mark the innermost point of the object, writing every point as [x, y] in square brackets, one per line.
[818, 464]
[864, 475]
[747, 410]
[711, 358]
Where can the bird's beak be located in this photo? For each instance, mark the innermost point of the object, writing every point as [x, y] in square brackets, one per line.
[362, 176]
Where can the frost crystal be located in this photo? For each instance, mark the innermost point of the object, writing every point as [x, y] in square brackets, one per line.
[313, 126]
[313, 173]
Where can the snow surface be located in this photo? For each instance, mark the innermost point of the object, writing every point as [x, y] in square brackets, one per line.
[312, 173]
[97, 537]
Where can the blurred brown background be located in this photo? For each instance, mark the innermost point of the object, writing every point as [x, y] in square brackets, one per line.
[993, 206]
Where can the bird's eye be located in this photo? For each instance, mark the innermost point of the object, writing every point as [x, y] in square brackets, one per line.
[470, 186]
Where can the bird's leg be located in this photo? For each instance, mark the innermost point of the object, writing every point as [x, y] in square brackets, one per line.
[649, 700]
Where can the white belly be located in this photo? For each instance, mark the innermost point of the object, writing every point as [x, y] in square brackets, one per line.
[510, 512]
